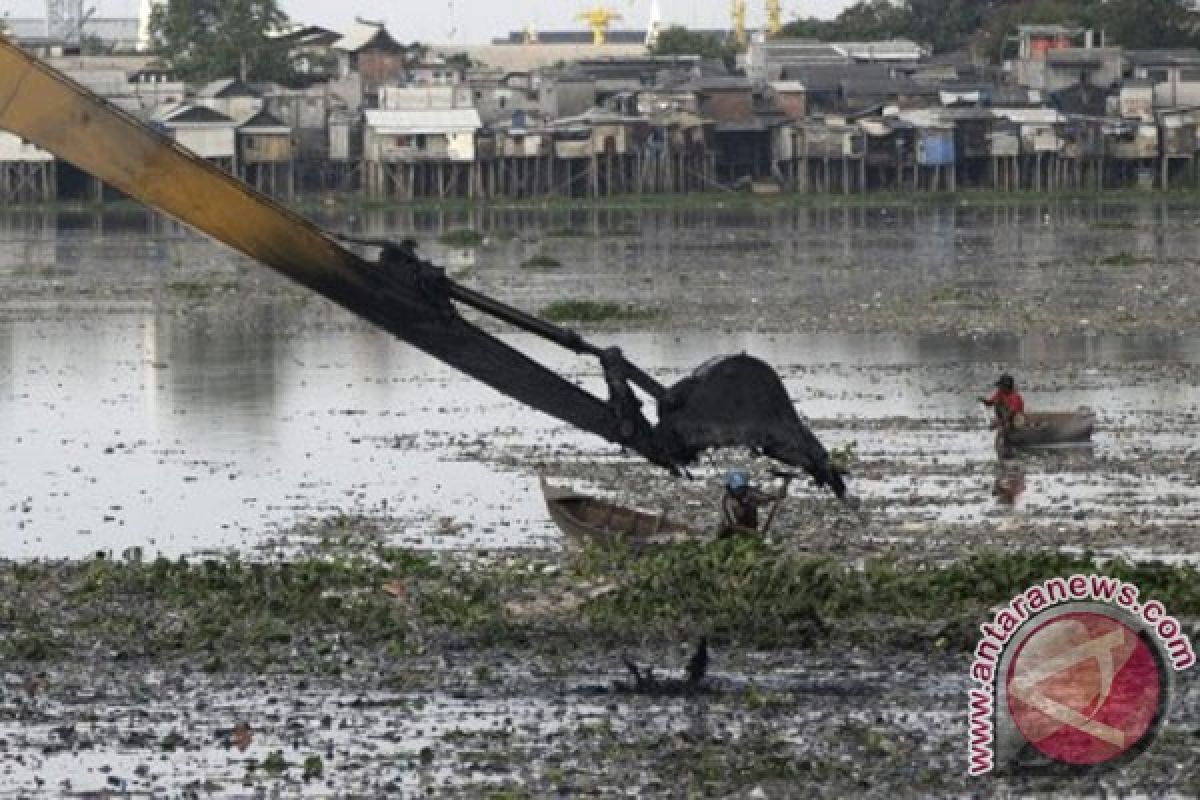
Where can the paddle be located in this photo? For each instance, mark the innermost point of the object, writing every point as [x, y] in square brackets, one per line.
[787, 479]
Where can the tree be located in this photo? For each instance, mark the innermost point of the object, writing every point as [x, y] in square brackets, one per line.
[680, 41]
[1147, 24]
[203, 40]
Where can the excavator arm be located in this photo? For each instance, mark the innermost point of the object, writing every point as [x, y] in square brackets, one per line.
[734, 401]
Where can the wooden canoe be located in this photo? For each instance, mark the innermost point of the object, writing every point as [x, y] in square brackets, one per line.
[585, 518]
[1047, 428]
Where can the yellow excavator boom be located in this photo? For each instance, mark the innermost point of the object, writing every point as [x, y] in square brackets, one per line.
[734, 401]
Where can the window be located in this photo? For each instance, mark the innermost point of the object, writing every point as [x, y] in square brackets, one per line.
[1191, 75]
[1157, 75]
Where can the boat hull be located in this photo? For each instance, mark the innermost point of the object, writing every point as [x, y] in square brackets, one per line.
[583, 518]
[1049, 428]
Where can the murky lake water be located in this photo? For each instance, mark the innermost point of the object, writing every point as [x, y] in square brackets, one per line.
[185, 432]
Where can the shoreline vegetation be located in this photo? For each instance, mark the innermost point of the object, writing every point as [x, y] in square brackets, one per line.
[961, 197]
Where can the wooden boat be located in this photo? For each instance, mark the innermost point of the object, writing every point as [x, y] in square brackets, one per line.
[1049, 428]
[586, 518]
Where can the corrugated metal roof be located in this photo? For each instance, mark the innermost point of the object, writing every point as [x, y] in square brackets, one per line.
[265, 122]
[362, 34]
[227, 87]
[424, 120]
[189, 113]
[1157, 58]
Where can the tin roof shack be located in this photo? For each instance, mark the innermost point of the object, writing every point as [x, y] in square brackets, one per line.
[891, 150]
[607, 132]
[264, 139]
[345, 137]
[869, 94]
[790, 97]
[428, 98]
[368, 49]
[232, 97]
[523, 135]
[311, 53]
[1177, 132]
[1062, 68]
[676, 155]
[769, 59]
[1082, 138]
[1175, 75]
[821, 154]
[972, 144]
[264, 155]
[27, 173]
[597, 152]
[1137, 99]
[724, 100]
[614, 75]
[206, 132]
[153, 88]
[422, 153]
[823, 85]
[421, 135]
[497, 96]
[1131, 140]
[435, 71]
[564, 93]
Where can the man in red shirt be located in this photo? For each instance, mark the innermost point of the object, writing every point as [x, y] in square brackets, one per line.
[1007, 401]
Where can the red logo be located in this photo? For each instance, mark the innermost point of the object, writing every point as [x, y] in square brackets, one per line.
[1084, 688]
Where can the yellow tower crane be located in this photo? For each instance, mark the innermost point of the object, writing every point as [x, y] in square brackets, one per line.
[739, 22]
[598, 19]
[774, 17]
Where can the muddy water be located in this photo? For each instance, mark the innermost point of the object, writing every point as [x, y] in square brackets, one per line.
[157, 391]
[132, 430]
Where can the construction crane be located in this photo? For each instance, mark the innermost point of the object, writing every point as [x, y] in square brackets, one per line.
[598, 19]
[739, 22]
[774, 17]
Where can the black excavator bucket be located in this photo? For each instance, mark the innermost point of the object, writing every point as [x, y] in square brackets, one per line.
[740, 401]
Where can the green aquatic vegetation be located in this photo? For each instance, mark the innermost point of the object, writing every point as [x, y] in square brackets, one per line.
[749, 591]
[462, 237]
[1122, 259]
[313, 767]
[230, 615]
[541, 262]
[591, 311]
[275, 763]
[201, 288]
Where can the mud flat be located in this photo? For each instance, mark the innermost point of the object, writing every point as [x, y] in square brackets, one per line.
[373, 603]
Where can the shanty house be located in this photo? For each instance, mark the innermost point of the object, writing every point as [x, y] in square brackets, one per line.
[264, 139]
[368, 49]
[232, 97]
[207, 133]
[724, 99]
[421, 134]
[26, 171]
[790, 97]
[1174, 74]
[265, 154]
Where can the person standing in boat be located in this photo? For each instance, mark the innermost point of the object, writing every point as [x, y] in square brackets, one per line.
[1007, 403]
[741, 502]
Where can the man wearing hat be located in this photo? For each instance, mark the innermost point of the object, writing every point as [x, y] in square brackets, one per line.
[742, 500]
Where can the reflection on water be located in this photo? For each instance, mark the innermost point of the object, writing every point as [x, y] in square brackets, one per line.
[181, 435]
[187, 431]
